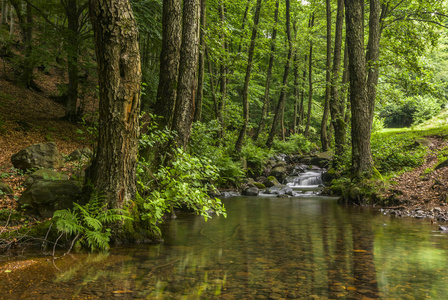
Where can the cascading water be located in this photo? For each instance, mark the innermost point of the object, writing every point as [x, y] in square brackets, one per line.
[307, 182]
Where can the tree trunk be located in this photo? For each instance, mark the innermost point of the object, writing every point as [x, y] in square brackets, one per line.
[242, 134]
[119, 73]
[11, 22]
[212, 84]
[282, 99]
[169, 60]
[201, 62]
[72, 13]
[223, 71]
[264, 110]
[186, 90]
[324, 137]
[361, 130]
[372, 55]
[302, 96]
[337, 103]
[310, 83]
[4, 13]
[296, 95]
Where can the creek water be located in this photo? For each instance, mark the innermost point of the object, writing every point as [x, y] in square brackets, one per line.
[303, 247]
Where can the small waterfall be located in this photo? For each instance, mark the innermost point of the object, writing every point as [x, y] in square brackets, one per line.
[307, 182]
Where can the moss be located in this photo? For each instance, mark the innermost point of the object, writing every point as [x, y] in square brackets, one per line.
[259, 185]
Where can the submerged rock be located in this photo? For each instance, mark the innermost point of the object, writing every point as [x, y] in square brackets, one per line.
[250, 191]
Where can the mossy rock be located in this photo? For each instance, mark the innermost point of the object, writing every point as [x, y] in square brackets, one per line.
[259, 185]
[5, 189]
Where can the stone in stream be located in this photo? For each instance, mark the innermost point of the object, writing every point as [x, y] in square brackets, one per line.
[250, 191]
[37, 156]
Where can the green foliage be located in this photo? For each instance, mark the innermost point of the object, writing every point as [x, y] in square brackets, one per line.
[255, 157]
[89, 222]
[295, 143]
[185, 183]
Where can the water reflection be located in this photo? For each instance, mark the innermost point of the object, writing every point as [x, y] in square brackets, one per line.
[267, 248]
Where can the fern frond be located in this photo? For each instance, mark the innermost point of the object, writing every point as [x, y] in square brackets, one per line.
[98, 240]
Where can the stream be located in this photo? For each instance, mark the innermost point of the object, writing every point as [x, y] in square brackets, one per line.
[301, 247]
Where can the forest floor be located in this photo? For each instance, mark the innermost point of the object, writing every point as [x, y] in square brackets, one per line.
[423, 191]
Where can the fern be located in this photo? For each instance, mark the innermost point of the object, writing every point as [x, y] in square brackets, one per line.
[89, 222]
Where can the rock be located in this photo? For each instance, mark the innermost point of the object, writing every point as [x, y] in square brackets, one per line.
[423, 142]
[279, 190]
[441, 165]
[5, 189]
[80, 153]
[45, 197]
[44, 174]
[259, 185]
[328, 176]
[322, 159]
[270, 181]
[278, 172]
[37, 156]
[250, 191]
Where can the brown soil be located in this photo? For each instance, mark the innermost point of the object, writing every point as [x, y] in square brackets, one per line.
[423, 191]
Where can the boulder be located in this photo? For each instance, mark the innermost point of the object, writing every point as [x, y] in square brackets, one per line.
[280, 190]
[45, 197]
[250, 191]
[80, 153]
[322, 159]
[270, 181]
[37, 156]
[5, 189]
[278, 172]
[44, 174]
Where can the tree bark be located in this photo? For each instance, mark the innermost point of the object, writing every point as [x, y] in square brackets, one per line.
[223, 71]
[310, 83]
[324, 138]
[282, 99]
[169, 60]
[187, 81]
[361, 130]
[212, 84]
[337, 104]
[302, 96]
[242, 134]
[113, 171]
[264, 110]
[201, 62]
[71, 10]
[372, 55]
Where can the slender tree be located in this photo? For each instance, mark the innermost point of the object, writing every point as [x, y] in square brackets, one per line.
[201, 64]
[282, 98]
[264, 110]
[169, 60]
[242, 134]
[337, 103]
[113, 171]
[325, 141]
[310, 82]
[187, 81]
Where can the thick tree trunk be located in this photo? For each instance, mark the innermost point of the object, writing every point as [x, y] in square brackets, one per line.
[119, 73]
[337, 103]
[242, 134]
[361, 130]
[169, 60]
[264, 110]
[187, 84]
[282, 99]
[201, 62]
[310, 84]
[324, 137]
[72, 13]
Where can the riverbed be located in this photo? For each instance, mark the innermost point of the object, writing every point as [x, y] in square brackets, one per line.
[304, 247]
